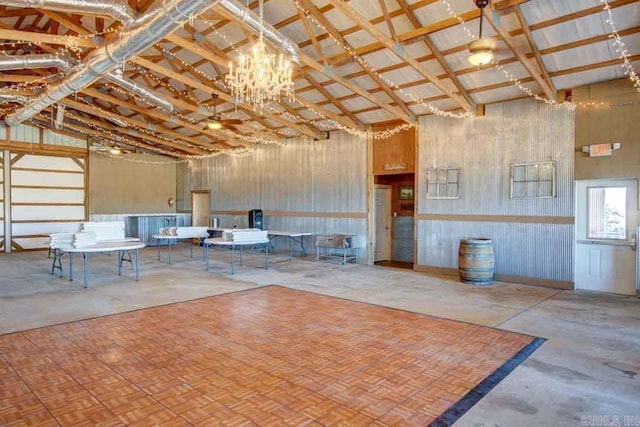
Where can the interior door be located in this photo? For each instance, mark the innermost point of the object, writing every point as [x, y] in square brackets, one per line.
[382, 219]
[606, 235]
[201, 208]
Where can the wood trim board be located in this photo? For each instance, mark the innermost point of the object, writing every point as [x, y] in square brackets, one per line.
[518, 219]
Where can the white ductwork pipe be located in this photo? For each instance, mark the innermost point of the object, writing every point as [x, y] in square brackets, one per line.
[31, 62]
[24, 62]
[119, 10]
[19, 99]
[145, 31]
[145, 93]
[251, 20]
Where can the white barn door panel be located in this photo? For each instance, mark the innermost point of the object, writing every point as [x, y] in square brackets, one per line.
[48, 195]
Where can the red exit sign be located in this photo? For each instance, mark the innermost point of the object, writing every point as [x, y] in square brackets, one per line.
[599, 150]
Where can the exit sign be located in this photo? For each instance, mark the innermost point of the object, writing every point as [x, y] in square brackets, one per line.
[599, 150]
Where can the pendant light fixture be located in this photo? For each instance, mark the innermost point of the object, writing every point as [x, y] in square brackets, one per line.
[481, 49]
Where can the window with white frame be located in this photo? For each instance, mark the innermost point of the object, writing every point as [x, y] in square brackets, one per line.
[532, 180]
[443, 183]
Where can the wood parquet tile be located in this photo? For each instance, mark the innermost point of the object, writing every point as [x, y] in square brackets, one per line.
[270, 356]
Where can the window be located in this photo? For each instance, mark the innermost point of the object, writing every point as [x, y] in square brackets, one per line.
[533, 180]
[443, 183]
[607, 213]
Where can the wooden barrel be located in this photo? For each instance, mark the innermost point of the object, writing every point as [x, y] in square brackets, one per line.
[475, 261]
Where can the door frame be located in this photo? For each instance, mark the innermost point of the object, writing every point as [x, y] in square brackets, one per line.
[387, 249]
[193, 193]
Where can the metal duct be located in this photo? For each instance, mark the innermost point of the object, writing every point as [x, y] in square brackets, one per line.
[23, 62]
[118, 10]
[6, 98]
[251, 20]
[145, 31]
[147, 94]
[30, 62]
[59, 116]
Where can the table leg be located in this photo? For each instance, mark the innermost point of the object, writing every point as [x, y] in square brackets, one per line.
[71, 266]
[120, 255]
[169, 251]
[206, 257]
[304, 250]
[158, 244]
[266, 256]
[137, 265]
[291, 240]
[233, 258]
[241, 262]
[84, 267]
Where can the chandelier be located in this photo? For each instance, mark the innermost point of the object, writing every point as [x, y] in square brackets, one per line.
[261, 77]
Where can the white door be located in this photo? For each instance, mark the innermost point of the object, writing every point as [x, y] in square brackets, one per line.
[606, 235]
[201, 208]
[382, 220]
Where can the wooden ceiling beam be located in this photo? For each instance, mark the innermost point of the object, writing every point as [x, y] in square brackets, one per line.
[132, 141]
[335, 33]
[548, 91]
[63, 19]
[164, 118]
[534, 48]
[28, 36]
[401, 53]
[437, 54]
[77, 105]
[320, 88]
[211, 90]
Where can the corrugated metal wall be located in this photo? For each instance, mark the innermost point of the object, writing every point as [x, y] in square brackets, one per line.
[324, 182]
[484, 148]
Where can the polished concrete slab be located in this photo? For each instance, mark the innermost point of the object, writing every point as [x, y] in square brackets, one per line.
[584, 373]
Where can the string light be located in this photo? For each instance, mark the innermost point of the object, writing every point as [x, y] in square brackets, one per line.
[620, 47]
[365, 65]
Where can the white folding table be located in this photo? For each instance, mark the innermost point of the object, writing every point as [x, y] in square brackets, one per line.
[171, 240]
[219, 241]
[295, 237]
[121, 246]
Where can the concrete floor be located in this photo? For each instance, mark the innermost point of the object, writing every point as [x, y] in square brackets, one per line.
[587, 368]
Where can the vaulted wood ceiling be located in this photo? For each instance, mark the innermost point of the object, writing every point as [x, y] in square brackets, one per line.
[362, 62]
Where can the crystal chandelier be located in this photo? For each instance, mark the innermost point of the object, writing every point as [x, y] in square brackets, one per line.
[261, 77]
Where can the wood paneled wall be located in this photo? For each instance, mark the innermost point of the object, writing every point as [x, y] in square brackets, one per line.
[401, 207]
[396, 154]
[617, 120]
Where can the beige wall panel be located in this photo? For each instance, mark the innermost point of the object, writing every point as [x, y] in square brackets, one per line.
[25, 134]
[120, 186]
[47, 179]
[31, 228]
[46, 213]
[49, 195]
[618, 121]
[53, 138]
[31, 161]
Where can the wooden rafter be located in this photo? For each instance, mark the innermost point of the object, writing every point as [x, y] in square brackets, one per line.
[401, 53]
[534, 49]
[528, 64]
[410, 14]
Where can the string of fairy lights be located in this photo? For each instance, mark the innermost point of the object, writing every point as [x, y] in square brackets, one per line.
[74, 48]
[620, 47]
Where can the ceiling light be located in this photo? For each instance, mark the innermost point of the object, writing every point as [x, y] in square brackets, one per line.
[115, 151]
[214, 124]
[480, 52]
[260, 77]
[480, 49]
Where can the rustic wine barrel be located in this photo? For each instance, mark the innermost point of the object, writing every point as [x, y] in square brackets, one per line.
[475, 261]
